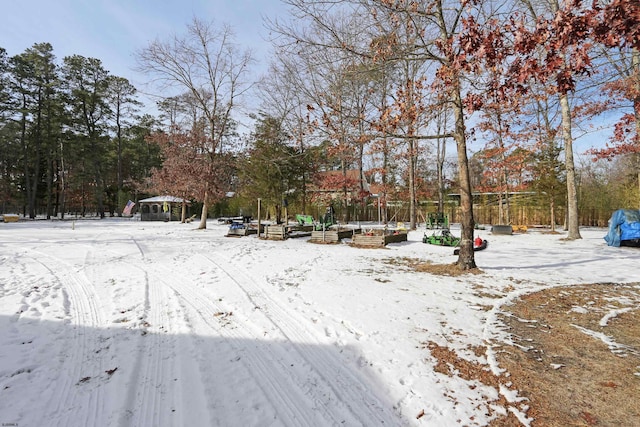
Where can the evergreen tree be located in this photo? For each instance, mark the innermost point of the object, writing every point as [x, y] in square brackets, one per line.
[87, 89]
[272, 169]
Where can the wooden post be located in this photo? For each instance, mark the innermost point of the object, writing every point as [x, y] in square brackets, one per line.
[259, 217]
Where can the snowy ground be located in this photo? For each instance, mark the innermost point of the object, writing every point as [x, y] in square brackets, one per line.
[125, 323]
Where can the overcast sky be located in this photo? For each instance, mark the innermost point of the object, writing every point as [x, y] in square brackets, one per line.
[113, 30]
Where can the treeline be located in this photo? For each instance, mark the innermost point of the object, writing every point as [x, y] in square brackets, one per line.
[71, 140]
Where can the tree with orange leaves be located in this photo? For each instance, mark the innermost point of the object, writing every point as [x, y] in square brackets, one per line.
[189, 170]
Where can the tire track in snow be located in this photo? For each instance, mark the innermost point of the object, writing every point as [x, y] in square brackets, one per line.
[152, 397]
[86, 317]
[152, 371]
[349, 394]
[156, 395]
[276, 385]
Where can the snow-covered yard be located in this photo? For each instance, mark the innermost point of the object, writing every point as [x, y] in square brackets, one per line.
[125, 323]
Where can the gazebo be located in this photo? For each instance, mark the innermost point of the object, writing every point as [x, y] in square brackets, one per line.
[161, 208]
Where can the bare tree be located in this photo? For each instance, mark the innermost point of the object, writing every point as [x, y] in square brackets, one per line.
[283, 94]
[436, 26]
[623, 92]
[333, 92]
[386, 31]
[209, 65]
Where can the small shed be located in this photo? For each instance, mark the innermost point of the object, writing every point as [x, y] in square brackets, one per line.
[162, 208]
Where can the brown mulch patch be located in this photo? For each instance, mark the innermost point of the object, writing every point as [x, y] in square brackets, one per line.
[429, 267]
[559, 362]
[574, 359]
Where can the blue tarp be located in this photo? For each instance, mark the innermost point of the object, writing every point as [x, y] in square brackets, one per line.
[623, 225]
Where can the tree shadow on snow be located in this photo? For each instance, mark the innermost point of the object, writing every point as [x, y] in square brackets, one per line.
[134, 373]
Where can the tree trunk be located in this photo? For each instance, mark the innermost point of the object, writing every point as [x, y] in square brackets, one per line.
[363, 209]
[99, 191]
[635, 61]
[205, 210]
[412, 184]
[120, 199]
[303, 183]
[440, 157]
[346, 215]
[572, 193]
[28, 184]
[62, 182]
[466, 258]
[49, 185]
[505, 210]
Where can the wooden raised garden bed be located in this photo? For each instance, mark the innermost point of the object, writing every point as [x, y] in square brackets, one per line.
[333, 235]
[282, 232]
[275, 232]
[240, 230]
[378, 238]
[10, 218]
[243, 231]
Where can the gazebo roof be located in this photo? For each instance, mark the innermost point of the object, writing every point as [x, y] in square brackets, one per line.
[162, 199]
